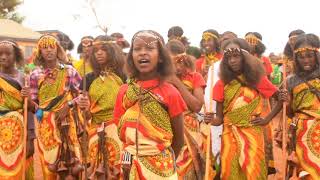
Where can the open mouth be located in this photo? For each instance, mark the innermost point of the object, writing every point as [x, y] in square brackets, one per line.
[144, 61]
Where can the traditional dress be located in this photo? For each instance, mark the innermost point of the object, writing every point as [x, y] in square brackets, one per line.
[267, 65]
[82, 67]
[51, 96]
[145, 110]
[305, 105]
[185, 163]
[103, 91]
[210, 106]
[12, 130]
[242, 153]
[268, 130]
[205, 61]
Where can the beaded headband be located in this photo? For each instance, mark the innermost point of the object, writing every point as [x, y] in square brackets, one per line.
[147, 34]
[8, 43]
[299, 50]
[234, 51]
[252, 39]
[103, 42]
[180, 57]
[47, 41]
[208, 35]
[86, 42]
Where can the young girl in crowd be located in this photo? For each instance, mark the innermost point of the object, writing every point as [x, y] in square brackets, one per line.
[191, 86]
[239, 95]
[149, 111]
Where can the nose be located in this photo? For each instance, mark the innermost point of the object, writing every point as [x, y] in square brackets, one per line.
[3, 57]
[143, 52]
[232, 60]
[99, 52]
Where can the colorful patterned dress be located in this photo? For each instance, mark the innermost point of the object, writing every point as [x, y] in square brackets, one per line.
[103, 92]
[205, 61]
[52, 96]
[12, 130]
[242, 153]
[80, 66]
[145, 109]
[306, 108]
[185, 163]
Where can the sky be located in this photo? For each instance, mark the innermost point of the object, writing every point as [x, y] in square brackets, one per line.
[274, 19]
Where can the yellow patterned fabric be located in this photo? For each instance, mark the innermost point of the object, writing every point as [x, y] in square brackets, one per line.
[10, 98]
[185, 164]
[11, 131]
[306, 107]
[103, 93]
[155, 158]
[79, 66]
[48, 133]
[242, 154]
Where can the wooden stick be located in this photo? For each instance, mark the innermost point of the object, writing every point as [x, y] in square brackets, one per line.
[193, 153]
[208, 157]
[284, 122]
[25, 129]
[208, 148]
[85, 135]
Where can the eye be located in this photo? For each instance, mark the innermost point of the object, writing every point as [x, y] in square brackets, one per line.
[309, 55]
[137, 48]
[151, 47]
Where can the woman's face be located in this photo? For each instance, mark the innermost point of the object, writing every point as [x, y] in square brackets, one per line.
[100, 54]
[7, 56]
[234, 58]
[306, 59]
[181, 69]
[86, 46]
[49, 53]
[145, 53]
[209, 45]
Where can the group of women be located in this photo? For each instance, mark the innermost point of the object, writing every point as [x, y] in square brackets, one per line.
[157, 112]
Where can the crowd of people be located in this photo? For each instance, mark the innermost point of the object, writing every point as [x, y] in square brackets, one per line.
[164, 110]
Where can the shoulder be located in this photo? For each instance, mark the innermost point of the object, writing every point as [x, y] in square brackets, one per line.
[169, 89]
[36, 72]
[200, 59]
[196, 75]
[292, 81]
[123, 88]
[69, 67]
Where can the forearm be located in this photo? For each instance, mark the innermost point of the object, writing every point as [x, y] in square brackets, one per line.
[219, 116]
[192, 102]
[217, 121]
[178, 134]
[177, 144]
[277, 108]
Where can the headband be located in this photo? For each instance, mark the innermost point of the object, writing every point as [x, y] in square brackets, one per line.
[305, 49]
[208, 35]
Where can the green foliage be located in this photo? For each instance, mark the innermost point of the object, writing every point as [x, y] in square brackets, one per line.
[8, 10]
[194, 51]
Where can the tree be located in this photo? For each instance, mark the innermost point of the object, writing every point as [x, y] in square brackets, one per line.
[8, 10]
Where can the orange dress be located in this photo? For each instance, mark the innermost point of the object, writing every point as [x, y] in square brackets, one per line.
[144, 111]
[242, 152]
